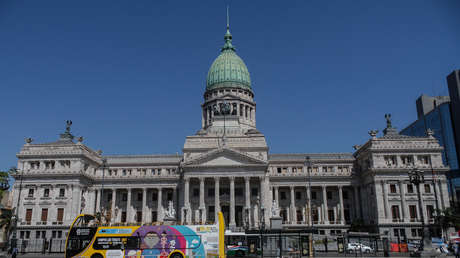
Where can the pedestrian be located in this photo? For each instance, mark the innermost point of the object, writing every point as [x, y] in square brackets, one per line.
[14, 252]
[457, 250]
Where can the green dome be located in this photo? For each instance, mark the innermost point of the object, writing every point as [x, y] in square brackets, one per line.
[228, 70]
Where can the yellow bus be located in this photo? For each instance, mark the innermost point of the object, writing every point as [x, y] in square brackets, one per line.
[89, 240]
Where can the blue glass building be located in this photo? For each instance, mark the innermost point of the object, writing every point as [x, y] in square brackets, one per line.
[441, 114]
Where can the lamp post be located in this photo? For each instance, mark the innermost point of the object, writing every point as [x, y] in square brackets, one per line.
[103, 166]
[416, 177]
[308, 166]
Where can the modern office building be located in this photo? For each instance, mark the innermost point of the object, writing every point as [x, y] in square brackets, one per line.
[442, 115]
[226, 166]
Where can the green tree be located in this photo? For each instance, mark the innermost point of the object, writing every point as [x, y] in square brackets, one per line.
[447, 218]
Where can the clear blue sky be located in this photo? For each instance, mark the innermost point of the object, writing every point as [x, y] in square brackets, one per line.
[131, 74]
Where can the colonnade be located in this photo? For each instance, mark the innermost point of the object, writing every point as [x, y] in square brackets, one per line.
[321, 211]
[200, 213]
[130, 209]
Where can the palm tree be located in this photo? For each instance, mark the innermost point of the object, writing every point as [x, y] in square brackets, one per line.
[6, 221]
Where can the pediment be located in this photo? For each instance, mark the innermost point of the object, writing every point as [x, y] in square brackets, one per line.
[225, 157]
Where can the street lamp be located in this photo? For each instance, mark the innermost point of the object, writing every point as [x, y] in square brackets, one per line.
[103, 166]
[416, 177]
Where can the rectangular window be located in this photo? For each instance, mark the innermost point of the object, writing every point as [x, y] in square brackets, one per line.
[255, 191]
[196, 192]
[392, 188]
[124, 197]
[279, 170]
[413, 232]
[123, 216]
[330, 214]
[395, 212]
[313, 195]
[430, 211]
[28, 215]
[27, 234]
[31, 193]
[37, 234]
[59, 234]
[211, 192]
[139, 216]
[46, 192]
[345, 195]
[61, 192]
[154, 216]
[60, 214]
[169, 196]
[329, 195]
[44, 215]
[413, 212]
[22, 235]
[410, 188]
[283, 195]
[427, 188]
[139, 197]
[298, 195]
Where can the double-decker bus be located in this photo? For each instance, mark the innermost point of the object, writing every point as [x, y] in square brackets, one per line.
[87, 239]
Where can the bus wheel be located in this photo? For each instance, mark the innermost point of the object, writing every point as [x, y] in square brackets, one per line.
[97, 256]
[176, 255]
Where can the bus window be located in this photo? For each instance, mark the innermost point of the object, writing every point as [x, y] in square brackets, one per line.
[133, 243]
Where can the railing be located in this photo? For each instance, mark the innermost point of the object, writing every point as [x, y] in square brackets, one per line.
[41, 245]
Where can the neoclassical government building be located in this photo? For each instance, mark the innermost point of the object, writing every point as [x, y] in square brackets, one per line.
[226, 166]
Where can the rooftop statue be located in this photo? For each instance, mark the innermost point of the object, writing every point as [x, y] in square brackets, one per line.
[388, 118]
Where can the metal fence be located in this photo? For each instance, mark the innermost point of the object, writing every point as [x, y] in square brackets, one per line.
[41, 245]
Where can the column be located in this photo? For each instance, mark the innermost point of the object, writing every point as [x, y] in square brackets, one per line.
[385, 200]
[403, 200]
[128, 207]
[188, 210]
[423, 205]
[443, 195]
[160, 204]
[325, 207]
[114, 199]
[187, 193]
[342, 215]
[97, 200]
[293, 208]
[232, 201]
[144, 205]
[202, 204]
[216, 199]
[276, 189]
[247, 192]
[308, 208]
[356, 202]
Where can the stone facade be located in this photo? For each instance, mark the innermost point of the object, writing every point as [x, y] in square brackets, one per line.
[226, 166]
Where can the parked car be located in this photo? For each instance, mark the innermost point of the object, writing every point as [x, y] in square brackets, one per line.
[237, 250]
[357, 247]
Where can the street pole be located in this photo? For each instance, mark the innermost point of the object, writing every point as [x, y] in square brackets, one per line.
[104, 164]
[416, 177]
